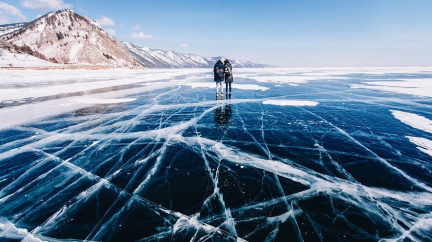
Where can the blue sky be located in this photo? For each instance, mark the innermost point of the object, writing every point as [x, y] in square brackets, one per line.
[290, 33]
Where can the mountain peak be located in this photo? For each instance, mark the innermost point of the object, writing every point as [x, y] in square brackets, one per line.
[63, 11]
[69, 38]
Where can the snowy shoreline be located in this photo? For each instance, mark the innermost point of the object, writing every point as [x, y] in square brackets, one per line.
[62, 67]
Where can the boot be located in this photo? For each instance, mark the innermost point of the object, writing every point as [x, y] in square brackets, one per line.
[217, 96]
[221, 96]
[229, 95]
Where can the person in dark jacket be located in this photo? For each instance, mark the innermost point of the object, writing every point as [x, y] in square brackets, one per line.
[219, 76]
[228, 77]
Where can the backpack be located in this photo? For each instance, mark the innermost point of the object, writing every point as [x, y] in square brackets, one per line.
[219, 71]
[227, 70]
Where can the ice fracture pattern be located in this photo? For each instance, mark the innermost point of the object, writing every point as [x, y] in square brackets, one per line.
[294, 155]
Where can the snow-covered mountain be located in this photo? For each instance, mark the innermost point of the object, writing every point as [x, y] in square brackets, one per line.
[239, 63]
[170, 59]
[164, 59]
[68, 38]
[9, 28]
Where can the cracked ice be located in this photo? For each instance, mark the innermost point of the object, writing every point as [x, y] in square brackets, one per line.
[294, 155]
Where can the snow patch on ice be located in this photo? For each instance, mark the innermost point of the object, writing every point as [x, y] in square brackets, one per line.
[423, 144]
[250, 87]
[294, 79]
[200, 84]
[291, 102]
[418, 87]
[414, 120]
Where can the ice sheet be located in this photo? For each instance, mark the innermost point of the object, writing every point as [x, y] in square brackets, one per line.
[150, 155]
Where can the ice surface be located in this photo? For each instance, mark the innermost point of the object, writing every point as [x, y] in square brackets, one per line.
[235, 85]
[101, 100]
[420, 87]
[290, 102]
[150, 155]
[72, 84]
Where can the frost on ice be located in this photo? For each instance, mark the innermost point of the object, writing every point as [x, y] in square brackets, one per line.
[295, 154]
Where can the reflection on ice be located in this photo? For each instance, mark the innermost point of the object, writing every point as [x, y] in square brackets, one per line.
[156, 159]
[222, 115]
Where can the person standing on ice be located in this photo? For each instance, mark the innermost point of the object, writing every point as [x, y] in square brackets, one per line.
[219, 76]
[228, 77]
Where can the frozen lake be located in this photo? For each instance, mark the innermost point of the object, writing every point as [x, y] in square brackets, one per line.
[296, 154]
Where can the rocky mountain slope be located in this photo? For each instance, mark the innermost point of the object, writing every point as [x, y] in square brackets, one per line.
[171, 59]
[164, 59]
[68, 38]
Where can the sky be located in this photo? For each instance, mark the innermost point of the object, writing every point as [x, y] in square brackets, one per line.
[286, 33]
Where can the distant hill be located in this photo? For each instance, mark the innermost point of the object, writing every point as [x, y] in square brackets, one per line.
[164, 59]
[170, 59]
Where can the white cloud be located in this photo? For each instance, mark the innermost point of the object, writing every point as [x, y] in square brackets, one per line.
[136, 27]
[184, 45]
[45, 5]
[110, 31]
[140, 35]
[105, 21]
[9, 13]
